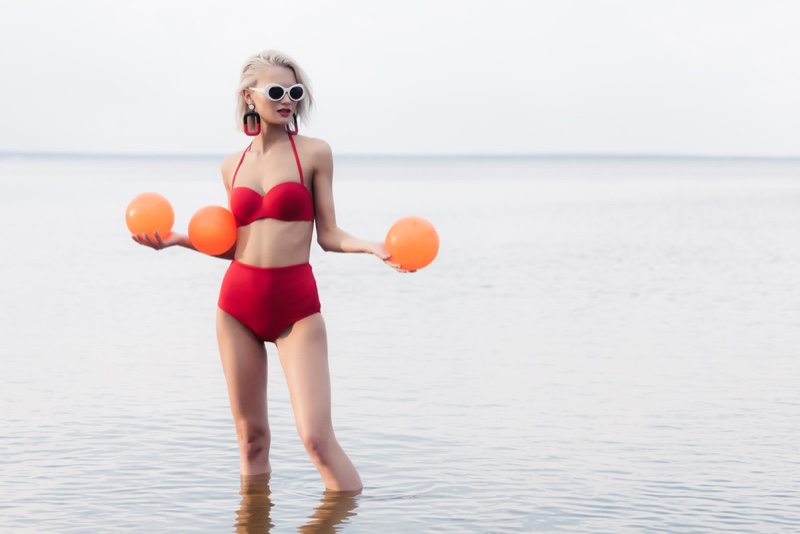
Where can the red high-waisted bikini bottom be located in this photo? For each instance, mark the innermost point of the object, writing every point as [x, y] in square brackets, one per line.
[268, 299]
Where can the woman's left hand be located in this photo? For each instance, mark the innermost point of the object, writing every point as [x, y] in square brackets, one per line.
[379, 249]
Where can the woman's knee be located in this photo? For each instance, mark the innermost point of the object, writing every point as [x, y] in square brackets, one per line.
[318, 444]
[254, 439]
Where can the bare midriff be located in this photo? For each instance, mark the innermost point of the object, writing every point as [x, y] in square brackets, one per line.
[274, 243]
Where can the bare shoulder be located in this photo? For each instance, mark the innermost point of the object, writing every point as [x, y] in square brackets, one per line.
[228, 167]
[229, 163]
[317, 149]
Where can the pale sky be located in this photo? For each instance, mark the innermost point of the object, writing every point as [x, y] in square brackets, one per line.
[691, 77]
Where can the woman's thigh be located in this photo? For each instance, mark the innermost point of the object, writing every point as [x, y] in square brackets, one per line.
[244, 361]
[303, 351]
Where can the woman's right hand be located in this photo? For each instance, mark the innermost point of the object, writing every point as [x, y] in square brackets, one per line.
[156, 242]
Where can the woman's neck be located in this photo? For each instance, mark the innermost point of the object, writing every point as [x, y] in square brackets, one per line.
[270, 134]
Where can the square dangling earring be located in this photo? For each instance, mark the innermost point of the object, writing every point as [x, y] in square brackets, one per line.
[252, 122]
[296, 129]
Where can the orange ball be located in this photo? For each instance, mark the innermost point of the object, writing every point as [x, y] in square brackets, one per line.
[148, 213]
[412, 242]
[212, 230]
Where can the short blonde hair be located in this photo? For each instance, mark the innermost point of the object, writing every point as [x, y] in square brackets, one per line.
[251, 71]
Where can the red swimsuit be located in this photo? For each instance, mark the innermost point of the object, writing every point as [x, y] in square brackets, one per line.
[287, 201]
[267, 300]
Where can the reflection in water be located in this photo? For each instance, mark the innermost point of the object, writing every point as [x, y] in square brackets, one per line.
[254, 510]
[335, 508]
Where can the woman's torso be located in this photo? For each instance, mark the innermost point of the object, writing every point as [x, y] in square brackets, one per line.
[268, 241]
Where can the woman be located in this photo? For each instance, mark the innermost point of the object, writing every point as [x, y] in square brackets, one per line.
[277, 188]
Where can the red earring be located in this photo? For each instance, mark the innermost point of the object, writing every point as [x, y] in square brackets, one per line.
[252, 122]
[296, 127]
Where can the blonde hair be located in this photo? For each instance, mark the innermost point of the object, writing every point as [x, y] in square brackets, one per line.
[251, 71]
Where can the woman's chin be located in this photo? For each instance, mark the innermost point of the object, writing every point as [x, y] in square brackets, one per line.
[282, 121]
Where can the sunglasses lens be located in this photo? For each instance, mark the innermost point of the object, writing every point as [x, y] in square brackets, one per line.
[275, 92]
[296, 92]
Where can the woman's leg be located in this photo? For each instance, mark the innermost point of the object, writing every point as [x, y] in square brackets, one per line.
[244, 360]
[303, 350]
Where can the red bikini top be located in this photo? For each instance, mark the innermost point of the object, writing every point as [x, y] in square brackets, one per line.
[287, 201]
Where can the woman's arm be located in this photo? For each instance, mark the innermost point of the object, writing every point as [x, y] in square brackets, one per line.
[329, 236]
[181, 240]
[175, 239]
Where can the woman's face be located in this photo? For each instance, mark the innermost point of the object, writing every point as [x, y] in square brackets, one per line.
[275, 112]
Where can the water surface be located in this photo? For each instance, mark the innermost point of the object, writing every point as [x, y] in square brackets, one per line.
[601, 346]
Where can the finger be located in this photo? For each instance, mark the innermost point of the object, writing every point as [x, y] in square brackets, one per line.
[150, 241]
[158, 238]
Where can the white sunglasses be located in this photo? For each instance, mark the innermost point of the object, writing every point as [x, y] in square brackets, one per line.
[276, 92]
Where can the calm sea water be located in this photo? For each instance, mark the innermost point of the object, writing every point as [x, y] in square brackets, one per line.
[601, 346]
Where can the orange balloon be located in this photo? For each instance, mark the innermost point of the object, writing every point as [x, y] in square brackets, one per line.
[412, 242]
[212, 230]
[148, 213]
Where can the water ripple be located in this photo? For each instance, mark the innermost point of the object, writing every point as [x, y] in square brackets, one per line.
[632, 368]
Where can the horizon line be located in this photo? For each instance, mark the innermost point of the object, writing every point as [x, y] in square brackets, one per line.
[410, 155]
